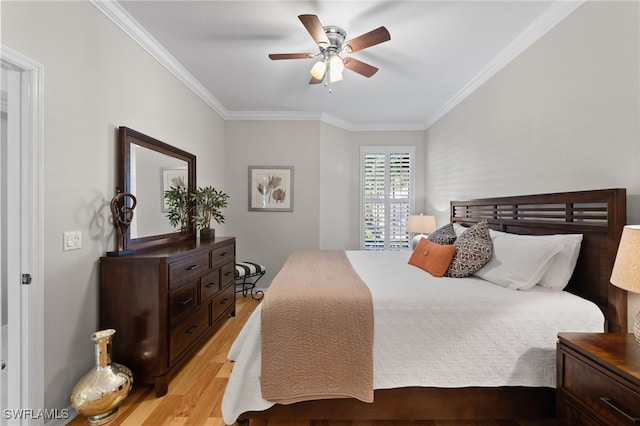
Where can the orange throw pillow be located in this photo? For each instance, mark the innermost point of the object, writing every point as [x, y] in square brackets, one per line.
[433, 258]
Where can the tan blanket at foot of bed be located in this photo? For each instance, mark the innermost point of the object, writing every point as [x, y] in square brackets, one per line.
[317, 331]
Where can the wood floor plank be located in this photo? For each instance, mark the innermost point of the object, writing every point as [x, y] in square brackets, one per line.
[188, 382]
[225, 370]
[166, 412]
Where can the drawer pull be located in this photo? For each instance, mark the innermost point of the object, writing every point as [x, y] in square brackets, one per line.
[186, 301]
[607, 401]
[224, 253]
[227, 273]
[192, 329]
[192, 267]
[210, 285]
[224, 301]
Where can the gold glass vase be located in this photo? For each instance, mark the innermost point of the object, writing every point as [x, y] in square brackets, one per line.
[98, 393]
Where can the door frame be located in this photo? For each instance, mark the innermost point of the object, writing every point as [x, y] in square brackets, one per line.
[28, 160]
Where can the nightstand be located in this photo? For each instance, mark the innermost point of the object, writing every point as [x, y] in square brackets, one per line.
[598, 379]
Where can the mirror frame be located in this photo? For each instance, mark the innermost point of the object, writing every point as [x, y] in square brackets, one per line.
[127, 137]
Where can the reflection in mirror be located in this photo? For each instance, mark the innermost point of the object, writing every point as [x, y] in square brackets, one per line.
[151, 174]
[148, 167]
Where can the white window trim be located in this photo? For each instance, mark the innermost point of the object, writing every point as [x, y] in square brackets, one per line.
[385, 149]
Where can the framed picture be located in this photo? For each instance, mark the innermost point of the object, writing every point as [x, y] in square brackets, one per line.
[271, 188]
[172, 177]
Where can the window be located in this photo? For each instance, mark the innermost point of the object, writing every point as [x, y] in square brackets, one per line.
[386, 200]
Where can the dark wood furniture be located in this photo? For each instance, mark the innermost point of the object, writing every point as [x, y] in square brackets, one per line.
[599, 215]
[165, 303]
[130, 170]
[598, 379]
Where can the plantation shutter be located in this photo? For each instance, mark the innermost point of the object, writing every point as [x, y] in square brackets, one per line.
[386, 197]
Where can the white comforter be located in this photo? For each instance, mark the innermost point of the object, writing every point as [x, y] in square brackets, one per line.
[438, 332]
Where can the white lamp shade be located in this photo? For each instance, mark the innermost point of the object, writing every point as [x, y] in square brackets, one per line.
[336, 66]
[421, 224]
[626, 268]
[318, 70]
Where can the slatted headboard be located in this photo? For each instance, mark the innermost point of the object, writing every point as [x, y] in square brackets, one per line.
[598, 215]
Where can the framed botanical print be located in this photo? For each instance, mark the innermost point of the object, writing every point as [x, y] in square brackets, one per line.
[271, 188]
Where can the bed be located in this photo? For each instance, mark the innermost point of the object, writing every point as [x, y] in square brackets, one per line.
[598, 216]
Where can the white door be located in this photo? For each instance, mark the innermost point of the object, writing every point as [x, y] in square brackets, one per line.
[21, 231]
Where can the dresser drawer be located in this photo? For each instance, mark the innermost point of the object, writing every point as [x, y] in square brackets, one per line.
[210, 284]
[161, 298]
[182, 336]
[223, 301]
[228, 273]
[222, 255]
[606, 396]
[188, 269]
[182, 301]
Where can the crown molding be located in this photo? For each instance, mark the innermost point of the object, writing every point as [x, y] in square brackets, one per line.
[547, 20]
[133, 29]
[272, 115]
[385, 127]
[558, 11]
[119, 16]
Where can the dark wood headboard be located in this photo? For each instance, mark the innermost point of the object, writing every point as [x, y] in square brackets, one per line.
[598, 215]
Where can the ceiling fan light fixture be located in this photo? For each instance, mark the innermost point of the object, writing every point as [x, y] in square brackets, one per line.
[336, 66]
[330, 40]
[318, 69]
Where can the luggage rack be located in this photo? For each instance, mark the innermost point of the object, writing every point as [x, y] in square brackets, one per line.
[247, 275]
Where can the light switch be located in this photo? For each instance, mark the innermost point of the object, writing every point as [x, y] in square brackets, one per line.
[72, 240]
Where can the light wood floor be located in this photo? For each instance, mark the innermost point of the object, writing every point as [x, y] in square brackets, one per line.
[195, 393]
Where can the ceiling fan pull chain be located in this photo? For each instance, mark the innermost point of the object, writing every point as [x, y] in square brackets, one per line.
[326, 70]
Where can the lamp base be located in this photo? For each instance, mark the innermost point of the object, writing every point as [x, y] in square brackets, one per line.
[636, 327]
[416, 240]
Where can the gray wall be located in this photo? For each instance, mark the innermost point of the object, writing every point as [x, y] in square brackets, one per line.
[326, 164]
[96, 78]
[564, 115]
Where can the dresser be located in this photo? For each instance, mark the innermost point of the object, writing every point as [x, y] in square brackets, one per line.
[165, 303]
[598, 379]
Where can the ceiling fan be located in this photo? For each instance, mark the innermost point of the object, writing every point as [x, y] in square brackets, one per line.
[331, 43]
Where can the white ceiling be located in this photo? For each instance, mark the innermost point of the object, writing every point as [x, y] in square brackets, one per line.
[439, 52]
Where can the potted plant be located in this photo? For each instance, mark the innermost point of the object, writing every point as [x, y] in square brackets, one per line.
[208, 203]
[177, 202]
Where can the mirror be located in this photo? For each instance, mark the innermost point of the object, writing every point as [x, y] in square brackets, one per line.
[148, 167]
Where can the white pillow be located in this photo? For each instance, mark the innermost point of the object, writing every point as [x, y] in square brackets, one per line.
[518, 262]
[563, 263]
[459, 229]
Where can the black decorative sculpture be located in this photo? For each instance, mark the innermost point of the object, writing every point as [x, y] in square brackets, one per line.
[122, 214]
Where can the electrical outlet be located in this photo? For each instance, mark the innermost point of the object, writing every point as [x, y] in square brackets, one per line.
[72, 240]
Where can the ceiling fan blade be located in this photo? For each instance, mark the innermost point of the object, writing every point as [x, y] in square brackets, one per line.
[360, 67]
[373, 37]
[315, 29]
[315, 80]
[276, 56]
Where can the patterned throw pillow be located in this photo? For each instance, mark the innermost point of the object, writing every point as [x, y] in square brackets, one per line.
[444, 235]
[474, 250]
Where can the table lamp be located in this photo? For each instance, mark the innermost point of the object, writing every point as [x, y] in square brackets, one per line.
[420, 224]
[626, 268]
